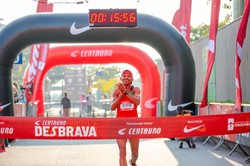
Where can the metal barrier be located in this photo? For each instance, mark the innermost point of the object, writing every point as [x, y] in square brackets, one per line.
[100, 108]
[159, 109]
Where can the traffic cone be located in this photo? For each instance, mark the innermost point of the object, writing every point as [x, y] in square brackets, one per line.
[2, 145]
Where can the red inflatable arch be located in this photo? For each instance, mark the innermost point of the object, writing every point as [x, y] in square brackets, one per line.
[103, 54]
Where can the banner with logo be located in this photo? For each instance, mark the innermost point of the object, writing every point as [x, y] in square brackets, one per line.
[244, 138]
[111, 128]
[228, 109]
[239, 44]
[37, 61]
[182, 18]
[211, 48]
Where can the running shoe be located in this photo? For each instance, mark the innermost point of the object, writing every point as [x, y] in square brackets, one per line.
[132, 164]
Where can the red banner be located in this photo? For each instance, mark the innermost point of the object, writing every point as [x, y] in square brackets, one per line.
[228, 109]
[239, 44]
[211, 48]
[182, 17]
[37, 60]
[111, 128]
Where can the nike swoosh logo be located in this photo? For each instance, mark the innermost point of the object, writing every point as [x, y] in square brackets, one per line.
[186, 130]
[121, 132]
[148, 103]
[76, 31]
[5, 105]
[174, 107]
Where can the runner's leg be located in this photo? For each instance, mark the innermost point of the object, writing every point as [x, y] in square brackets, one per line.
[134, 145]
[122, 151]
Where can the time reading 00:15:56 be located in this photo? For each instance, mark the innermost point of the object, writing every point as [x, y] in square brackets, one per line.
[112, 18]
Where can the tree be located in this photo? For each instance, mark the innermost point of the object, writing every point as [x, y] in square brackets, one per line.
[104, 77]
[201, 31]
[106, 86]
[197, 33]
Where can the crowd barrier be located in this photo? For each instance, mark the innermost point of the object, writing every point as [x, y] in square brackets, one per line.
[240, 140]
[19, 109]
[100, 108]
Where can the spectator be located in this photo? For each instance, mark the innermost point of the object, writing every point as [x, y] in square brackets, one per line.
[23, 96]
[181, 112]
[90, 100]
[28, 96]
[15, 92]
[83, 105]
[66, 105]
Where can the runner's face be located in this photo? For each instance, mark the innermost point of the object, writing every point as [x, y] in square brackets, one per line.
[127, 79]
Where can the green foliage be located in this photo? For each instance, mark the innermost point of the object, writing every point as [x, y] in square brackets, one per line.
[197, 33]
[106, 86]
[104, 77]
[227, 5]
[201, 31]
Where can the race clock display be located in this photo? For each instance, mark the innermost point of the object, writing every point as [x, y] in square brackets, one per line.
[112, 17]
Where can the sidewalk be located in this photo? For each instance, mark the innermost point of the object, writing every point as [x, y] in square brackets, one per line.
[152, 152]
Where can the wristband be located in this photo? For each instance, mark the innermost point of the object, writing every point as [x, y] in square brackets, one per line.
[126, 92]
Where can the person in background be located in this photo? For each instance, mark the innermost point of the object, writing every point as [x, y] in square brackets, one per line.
[126, 98]
[28, 96]
[191, 140]
[66, 105]
[83, 103]
[23, 96]
[15, 92]
[90, 100]
[181, 112]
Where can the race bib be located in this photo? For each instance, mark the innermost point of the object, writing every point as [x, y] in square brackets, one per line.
[126, 106]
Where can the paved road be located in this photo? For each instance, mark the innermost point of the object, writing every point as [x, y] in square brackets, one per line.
[153, 152]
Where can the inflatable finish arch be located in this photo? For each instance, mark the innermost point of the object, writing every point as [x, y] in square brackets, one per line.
[150, 77]
[57, 28]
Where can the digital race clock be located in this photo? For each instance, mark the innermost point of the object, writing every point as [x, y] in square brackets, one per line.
[112, 18]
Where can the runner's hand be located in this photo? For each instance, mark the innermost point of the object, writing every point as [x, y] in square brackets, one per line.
[121, 88]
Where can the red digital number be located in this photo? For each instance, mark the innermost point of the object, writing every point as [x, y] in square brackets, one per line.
[93, 17]
[132, 17]
[98, 17]
[125, 17]
[101, 17]
[115, 17]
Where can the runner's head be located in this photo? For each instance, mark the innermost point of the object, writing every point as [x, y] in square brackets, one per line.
[179, 110]
[128, 72]
[126, 77]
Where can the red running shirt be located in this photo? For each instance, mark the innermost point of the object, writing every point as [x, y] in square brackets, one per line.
[126, 108]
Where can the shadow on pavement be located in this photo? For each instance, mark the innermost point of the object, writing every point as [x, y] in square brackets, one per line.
[204, 155]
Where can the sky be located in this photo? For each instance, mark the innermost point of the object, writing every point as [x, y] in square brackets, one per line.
[164, 9]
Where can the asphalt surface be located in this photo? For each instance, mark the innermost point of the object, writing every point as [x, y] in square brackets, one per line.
[152, 152]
